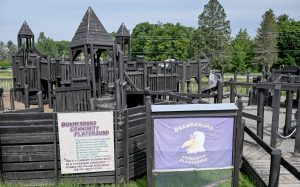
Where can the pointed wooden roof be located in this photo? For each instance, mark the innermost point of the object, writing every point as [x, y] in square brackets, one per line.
[25, 30]
[91, 31]
[123, 31]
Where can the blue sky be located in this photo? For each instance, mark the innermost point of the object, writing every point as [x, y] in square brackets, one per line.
[59, 19]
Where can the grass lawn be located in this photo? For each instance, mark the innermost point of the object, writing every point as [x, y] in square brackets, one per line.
[141, 182]
[6, 74]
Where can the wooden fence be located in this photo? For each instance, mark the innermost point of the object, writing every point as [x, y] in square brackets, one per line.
[30, 149]
[69, 99]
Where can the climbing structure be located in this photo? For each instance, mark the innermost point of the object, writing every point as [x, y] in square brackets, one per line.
[84, 81]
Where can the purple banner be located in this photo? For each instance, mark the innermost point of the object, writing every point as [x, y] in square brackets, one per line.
[193, 143]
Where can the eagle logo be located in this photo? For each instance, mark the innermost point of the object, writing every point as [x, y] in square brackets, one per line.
[195, 144]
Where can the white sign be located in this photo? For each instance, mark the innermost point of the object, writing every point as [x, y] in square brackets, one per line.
[86, 142]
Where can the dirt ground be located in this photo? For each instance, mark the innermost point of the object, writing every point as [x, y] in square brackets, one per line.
[18, 105]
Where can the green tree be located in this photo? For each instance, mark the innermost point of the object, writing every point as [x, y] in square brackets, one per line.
[139, 38]
[3, 50]
[242, 52]
[288, 41]
[265, 49]
[51, 48]
[213, 35]
[11, 49]
[161, 41]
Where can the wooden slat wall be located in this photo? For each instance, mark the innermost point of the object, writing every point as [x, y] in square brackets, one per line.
[28, 149]
[72, 99]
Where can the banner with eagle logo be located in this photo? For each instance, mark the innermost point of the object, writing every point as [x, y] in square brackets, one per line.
[193, 143]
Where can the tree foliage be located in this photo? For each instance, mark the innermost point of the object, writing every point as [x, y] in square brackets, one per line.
[213, 35]
[161, 41]
[51, 48]
[6, 52]
[265, 49]
[288, 41]
[242, 52]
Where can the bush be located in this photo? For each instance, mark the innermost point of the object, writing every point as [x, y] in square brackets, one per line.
[5, 64]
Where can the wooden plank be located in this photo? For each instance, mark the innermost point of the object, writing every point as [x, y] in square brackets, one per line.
[26, 123]
[26, 138]
[26, 130]
[27, 148]
[73, 88]
[28, 166]
[24, 116]
[139, 109]
[28, 175]
[31, 182]
[251, 116]
[137, 122]
[136, 116]
[27, 157]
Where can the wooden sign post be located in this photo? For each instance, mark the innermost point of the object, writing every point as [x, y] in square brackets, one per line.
[193, 144]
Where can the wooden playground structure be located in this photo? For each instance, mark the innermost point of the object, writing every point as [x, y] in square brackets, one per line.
[29, 144]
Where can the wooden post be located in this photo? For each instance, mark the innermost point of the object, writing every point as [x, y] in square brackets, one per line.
[55, 148]
[26, 93]
[49, 84]
[232, 91]
[189, 90]
[250, 100]
[222, 73]
[247, 87]
[87, 69]
[220, 91]
[297, 136]
[38, 72]
[289, 106]
[199, 77]
[118, 94]
[235, 76]
[239, 130]
[40, 100]
[183, 77]
[12, 98]
[93, 71]
[165, 77]
[116, 127]
[260, 113]
[157, 78]
[145, 74]
[126, 147]
[149, 140]
[122, 81]
[92, 104]
[275, 116]
[1, 100]
[275, 168]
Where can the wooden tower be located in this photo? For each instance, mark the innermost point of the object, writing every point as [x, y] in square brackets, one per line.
[91, 39]
[123, 40]
[25, 63]
[25, 37]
